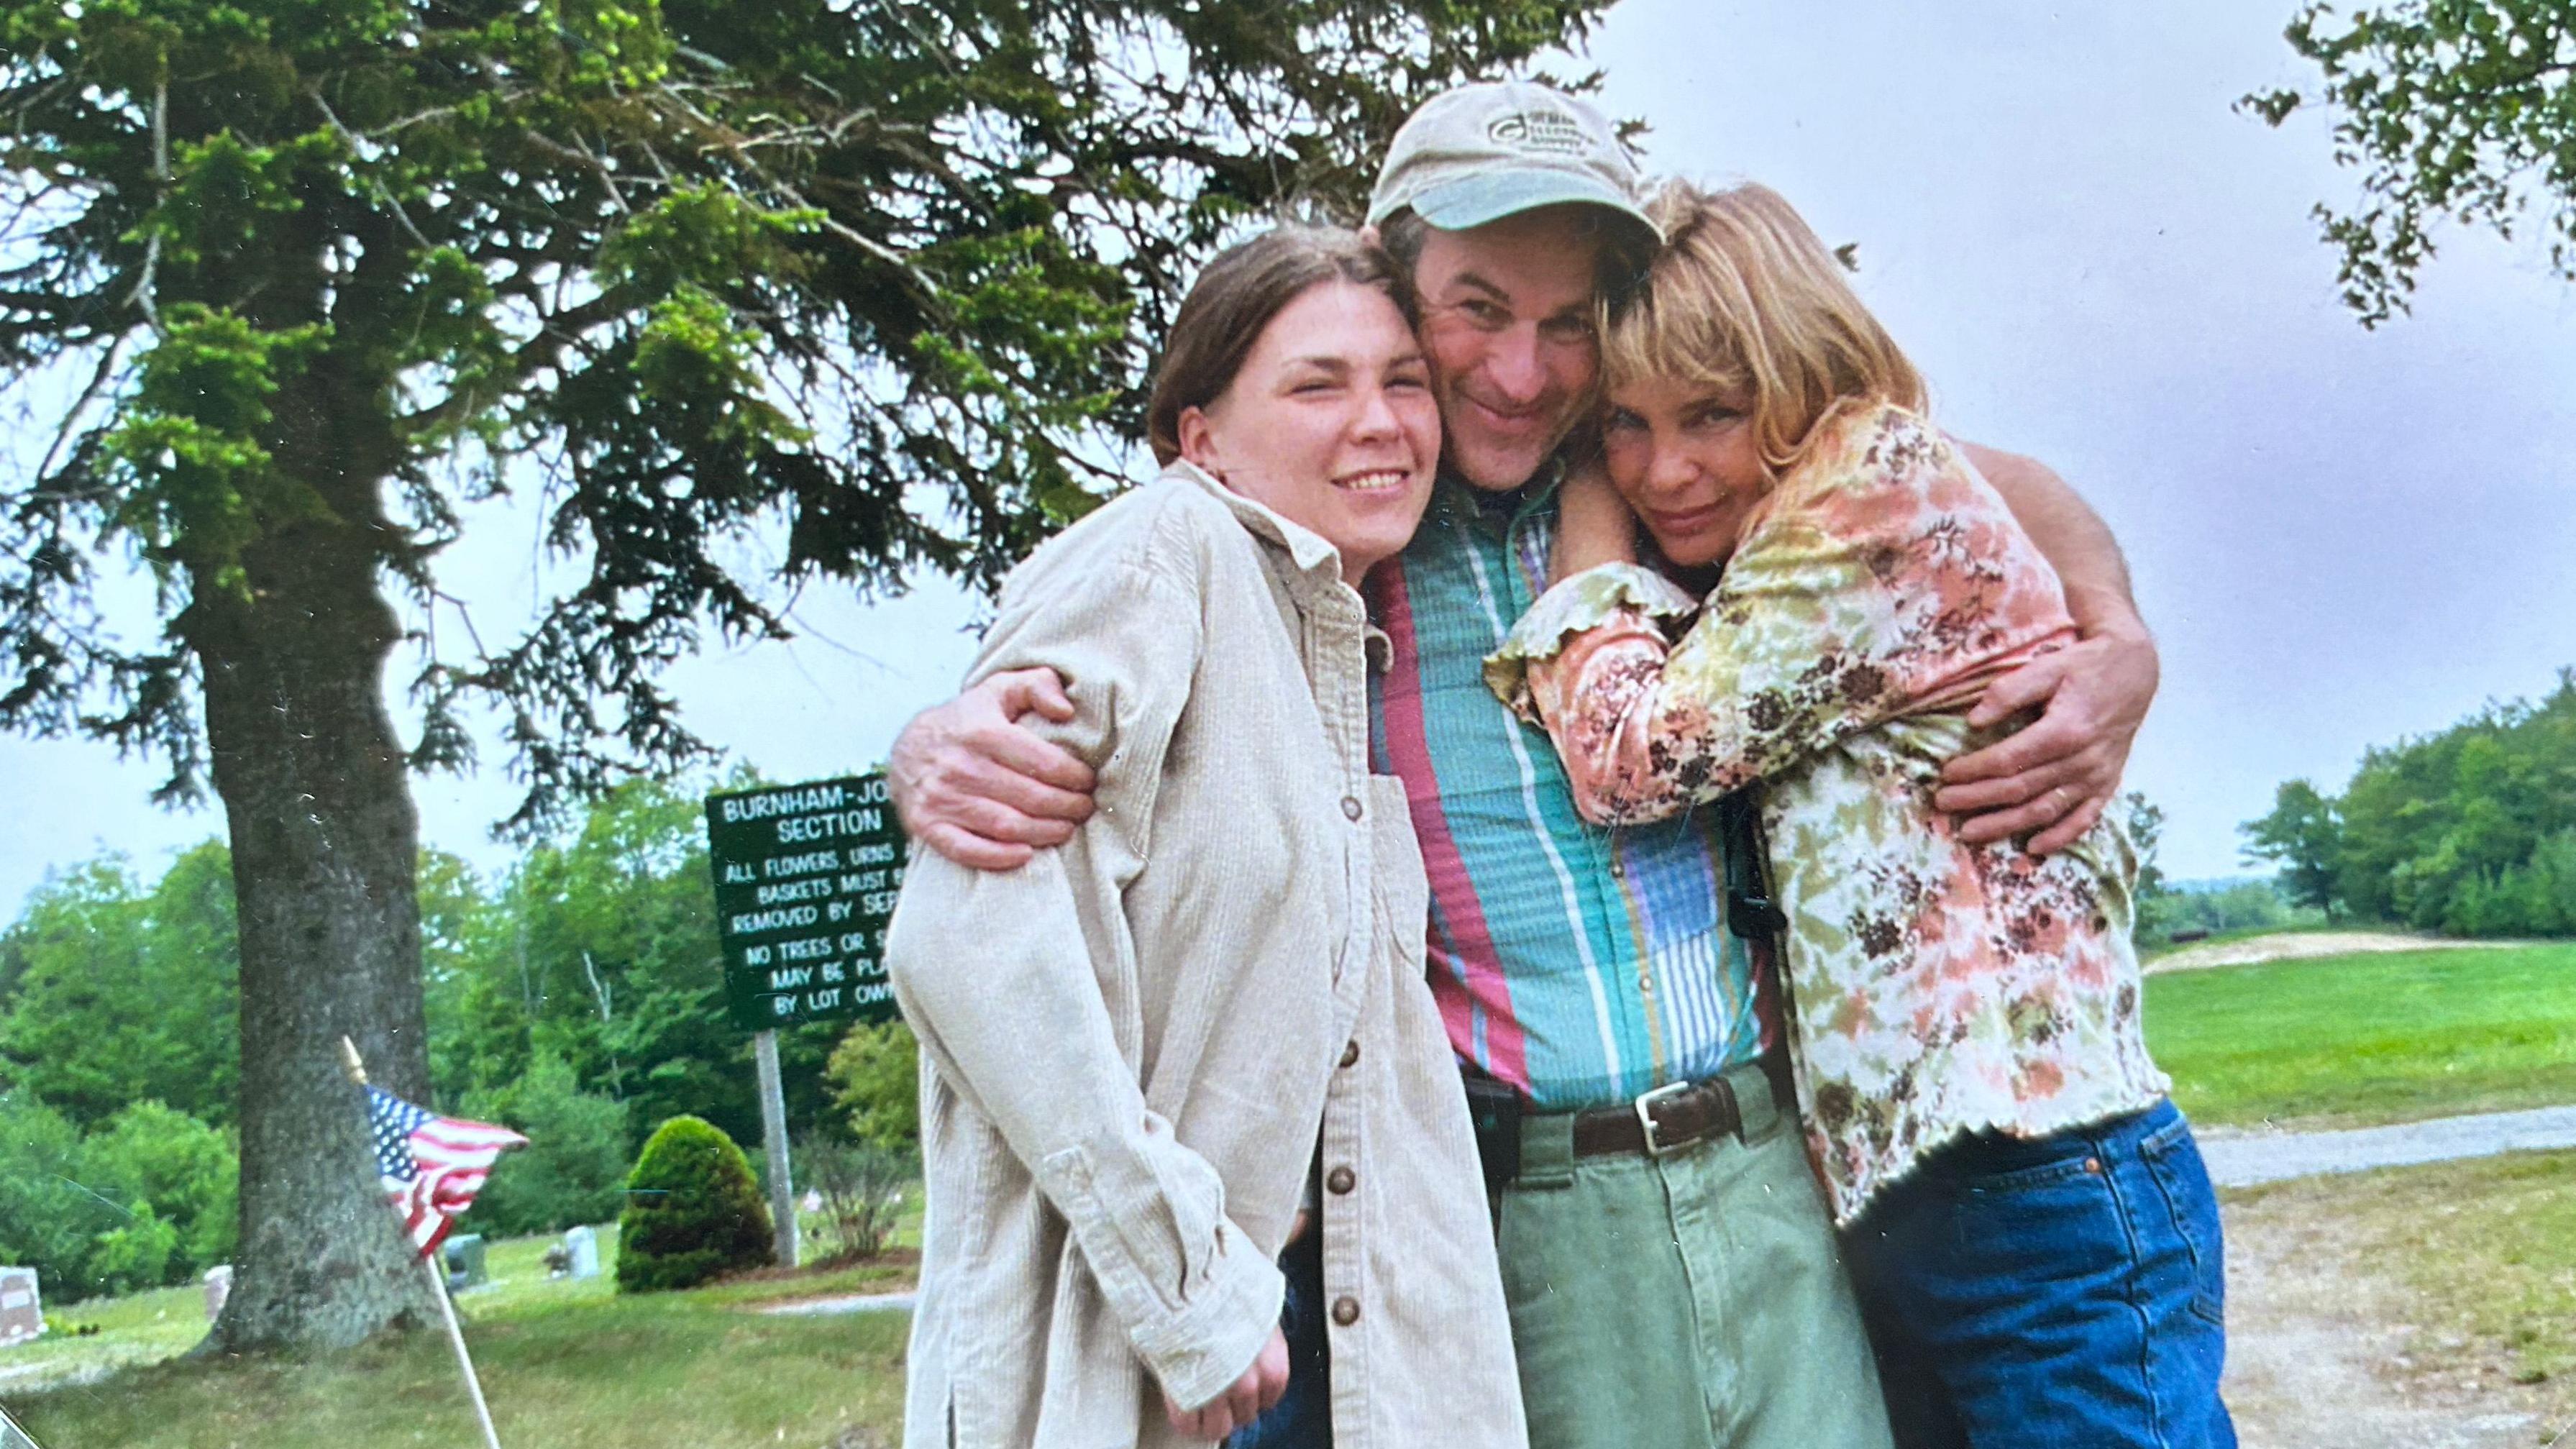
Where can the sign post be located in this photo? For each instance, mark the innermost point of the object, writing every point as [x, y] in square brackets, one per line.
[773, 1136]
[806, 877]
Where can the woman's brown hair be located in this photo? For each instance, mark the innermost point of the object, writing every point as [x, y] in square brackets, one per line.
[1234, 299]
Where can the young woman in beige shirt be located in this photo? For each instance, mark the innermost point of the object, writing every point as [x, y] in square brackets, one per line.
[1135, 1045]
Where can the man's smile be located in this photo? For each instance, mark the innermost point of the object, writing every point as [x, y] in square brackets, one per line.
[1510, 420]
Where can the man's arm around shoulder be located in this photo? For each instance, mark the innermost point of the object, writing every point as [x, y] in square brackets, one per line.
[2053, 779]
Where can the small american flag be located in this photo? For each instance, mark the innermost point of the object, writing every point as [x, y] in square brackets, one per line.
[432, 1166]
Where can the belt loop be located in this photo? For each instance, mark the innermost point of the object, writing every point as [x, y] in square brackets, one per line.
[1758, 1108]
[1547, 1150]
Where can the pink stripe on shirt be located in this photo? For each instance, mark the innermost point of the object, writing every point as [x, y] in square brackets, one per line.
[1475, 985]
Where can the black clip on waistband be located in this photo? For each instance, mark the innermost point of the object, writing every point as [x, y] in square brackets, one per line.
[1755, 918]
[1494, 1110]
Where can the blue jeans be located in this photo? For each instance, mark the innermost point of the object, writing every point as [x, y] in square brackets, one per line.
[1303, 1417]
[2066, 1291]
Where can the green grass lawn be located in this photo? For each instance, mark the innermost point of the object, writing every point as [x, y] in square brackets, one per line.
[142, 1328]
[565, 1364]
[2347, 1040]
[565, 1375]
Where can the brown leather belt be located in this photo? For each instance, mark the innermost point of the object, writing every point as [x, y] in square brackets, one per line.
[1667, 1119]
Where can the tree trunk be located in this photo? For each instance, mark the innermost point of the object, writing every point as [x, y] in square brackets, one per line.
[325, 846]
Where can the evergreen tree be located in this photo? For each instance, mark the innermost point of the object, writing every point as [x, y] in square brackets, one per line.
[288, 282]
[693, 1211]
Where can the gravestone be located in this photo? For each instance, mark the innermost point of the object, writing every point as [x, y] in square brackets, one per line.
[22, 1317]
[465, 1266]
[219, 1286]
[583, 1245]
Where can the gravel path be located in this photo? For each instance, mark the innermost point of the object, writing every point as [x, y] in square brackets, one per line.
[2317, 1350]
[2245, 1158]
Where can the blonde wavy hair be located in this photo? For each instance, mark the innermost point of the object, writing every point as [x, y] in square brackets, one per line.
[1744, 298]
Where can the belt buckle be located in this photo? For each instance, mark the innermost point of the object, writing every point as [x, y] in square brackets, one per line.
[1655, 1146]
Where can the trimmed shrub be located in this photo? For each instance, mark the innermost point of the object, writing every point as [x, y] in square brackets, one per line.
[693, 1211]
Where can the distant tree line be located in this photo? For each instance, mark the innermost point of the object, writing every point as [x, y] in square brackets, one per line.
[2197, 909]
[2470, 831]
[119, 1149]
[2170, 910]
[576, 997]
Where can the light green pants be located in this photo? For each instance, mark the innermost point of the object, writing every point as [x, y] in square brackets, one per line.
[1694, 1301]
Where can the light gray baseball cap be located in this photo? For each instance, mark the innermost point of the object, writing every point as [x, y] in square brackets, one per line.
[1478, 153]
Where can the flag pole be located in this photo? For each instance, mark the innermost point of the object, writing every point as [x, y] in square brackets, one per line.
[357, 1070]
[456, 1336]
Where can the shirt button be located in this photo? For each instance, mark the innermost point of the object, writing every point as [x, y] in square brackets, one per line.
[1351, 1053]
[1351, 806]
[1339, 1181]
[1346, 1311]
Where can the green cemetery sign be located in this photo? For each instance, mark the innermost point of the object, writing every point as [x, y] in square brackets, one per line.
[806, 877]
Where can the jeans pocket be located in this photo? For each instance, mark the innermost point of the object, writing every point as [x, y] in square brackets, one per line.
[1993, 1164]
[2173, 1158]
[2048, 1221]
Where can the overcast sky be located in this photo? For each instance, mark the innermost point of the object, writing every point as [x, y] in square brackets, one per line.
[2340, 536]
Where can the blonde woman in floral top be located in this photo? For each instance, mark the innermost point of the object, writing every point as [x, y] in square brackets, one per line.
[2028, 1222]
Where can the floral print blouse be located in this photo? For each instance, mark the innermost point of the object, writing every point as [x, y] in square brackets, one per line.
[1938, 988]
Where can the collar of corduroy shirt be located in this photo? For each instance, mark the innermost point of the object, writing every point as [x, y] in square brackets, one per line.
[1318, 565]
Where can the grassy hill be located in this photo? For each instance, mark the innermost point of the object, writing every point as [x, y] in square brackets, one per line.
[2349, 1040]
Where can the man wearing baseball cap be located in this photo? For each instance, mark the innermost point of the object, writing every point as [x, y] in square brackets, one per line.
[1671, 1274]
[1479, 153]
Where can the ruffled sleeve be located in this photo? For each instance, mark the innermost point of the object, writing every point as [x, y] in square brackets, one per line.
[1620, 594]
[1883, 578]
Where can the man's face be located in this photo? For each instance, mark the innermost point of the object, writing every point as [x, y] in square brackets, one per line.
[1507, 323]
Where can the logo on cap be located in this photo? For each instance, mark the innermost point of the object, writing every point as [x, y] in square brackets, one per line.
[1552, 131]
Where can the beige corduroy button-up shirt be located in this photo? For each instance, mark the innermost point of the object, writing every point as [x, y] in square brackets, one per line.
[1133, 1045]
